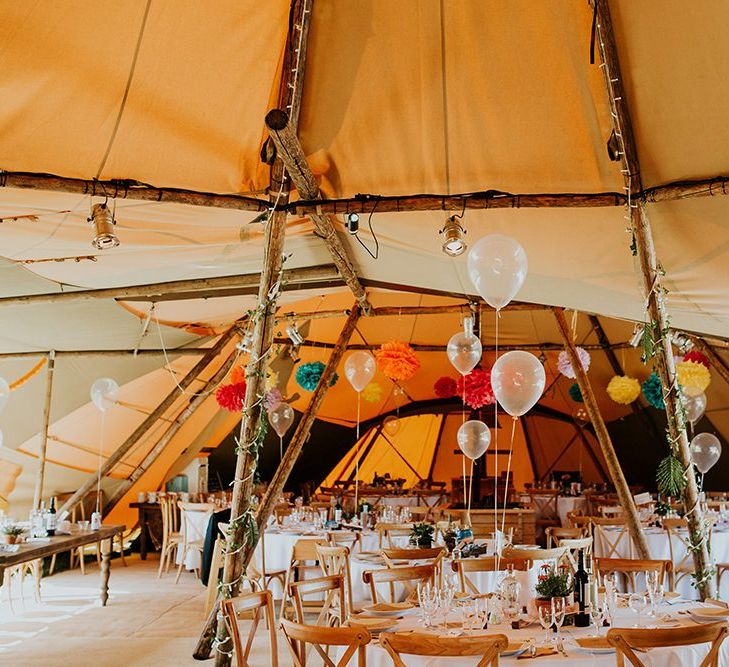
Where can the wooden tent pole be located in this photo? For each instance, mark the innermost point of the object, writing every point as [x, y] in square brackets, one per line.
[118, 454]
[196, 400]
[40, 475]
[651, 273]
[301, 435]
[288, 149]
[603, 437]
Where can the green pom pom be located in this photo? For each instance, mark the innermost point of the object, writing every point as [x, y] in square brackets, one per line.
[575, 393]
[307, 375]
[653, 391]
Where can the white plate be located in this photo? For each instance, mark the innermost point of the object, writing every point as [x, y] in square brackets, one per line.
[595, 651]
[509, 653]
[372, 610]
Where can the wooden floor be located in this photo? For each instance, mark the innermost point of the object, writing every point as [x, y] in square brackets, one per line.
[148, 621]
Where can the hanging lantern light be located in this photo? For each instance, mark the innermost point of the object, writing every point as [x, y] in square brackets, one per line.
[103, 220]
[453, 231]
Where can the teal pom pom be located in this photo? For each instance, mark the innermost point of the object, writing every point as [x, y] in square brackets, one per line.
[576, 394]
[307, 375]
[653, 391]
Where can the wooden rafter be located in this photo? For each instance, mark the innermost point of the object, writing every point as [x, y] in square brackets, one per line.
[651, 278]
[288, 148]
[40, 474]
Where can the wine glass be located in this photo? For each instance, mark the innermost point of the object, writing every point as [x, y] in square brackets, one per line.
[546, 620]
[597, 614]
[558, 609]
[637, 603]
[654, 586]
[428, 600]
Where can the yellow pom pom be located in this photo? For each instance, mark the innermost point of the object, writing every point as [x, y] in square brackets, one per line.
[271, 380]
[372, 392]
[693, 377]
[623, 389]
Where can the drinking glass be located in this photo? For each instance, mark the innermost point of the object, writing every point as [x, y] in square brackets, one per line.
[655, 591]
[597, 614]
[546, 620]
[637, 603]
[428, 600]
[559, 606]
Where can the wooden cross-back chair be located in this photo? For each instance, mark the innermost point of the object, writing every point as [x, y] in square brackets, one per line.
[335, 561]
[193, 534]
[487, 647]
[544, 504]
[581, 521]
[573, 546]
[251, 602]
[329, 595]
[303, 558]
[608, 535]
[407, 575]
[386, 531]
[555, 534]
[321, 638]
[625, 640]
[352, 539]
[630, 567]
[462, 567]
[418, 556]
[678, 548]
[171, 535]
[555, 554]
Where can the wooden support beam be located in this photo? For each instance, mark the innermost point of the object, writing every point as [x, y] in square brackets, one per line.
[603, 437]
[288, 149]
[150, 291]
[374, 434]
[651, 274]
[301, 435]
[195, 401]
[71, 354]
[399, 453]
[150, 421]
[40, 474]
[706, 187]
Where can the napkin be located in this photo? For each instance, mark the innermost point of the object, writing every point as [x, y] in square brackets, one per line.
[541, 651]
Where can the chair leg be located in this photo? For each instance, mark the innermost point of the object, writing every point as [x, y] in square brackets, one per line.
[121, 550]
[8, 585]
[162, 560]
[182, 563]
[81, 561]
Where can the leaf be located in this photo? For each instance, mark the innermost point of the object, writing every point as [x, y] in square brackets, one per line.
[670, 477]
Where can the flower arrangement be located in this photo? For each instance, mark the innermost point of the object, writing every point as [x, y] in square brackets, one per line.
[476, 388]
[623, 389]
[653, 391]
[575, 393]
[308, 375]
[397, 360]
[553, 582]
[445, 387]
[564, 364]
[230, 397]
[422, 534]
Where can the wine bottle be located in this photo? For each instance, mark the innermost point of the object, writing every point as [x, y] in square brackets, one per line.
[51, 518]
[582, 582]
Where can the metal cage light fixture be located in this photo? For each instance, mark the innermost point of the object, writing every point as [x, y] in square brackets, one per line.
[453, 244]
[103, 221]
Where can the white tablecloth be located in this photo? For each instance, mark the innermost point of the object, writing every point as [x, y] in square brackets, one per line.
[198, 522]
[566, 504]
[659, 548]
[679, 656]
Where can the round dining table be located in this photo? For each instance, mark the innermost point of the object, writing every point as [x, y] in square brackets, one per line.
[676, 656]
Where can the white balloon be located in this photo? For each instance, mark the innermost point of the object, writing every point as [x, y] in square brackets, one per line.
[518, 380]
[359, 369]
[464, 351]
[391, 424]
[705, 451]
[695, 406]
[281, 418]
[497, 266]
[473, 438]
[4, 393]
[104, 393]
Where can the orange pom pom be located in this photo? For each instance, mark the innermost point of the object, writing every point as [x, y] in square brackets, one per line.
[397, 360]
[238, 375]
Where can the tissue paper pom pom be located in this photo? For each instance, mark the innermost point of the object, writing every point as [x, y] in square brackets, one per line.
[272, 399]
[698, 357]
[238, 375]
[307, 375]
[445, 387]
[271, 380]
[693, 377]
[575, 393]
[230, 397]
[372, 392]
[478, 388]
[397, 360]
[623, 389]
[653, 391]
[564, 364]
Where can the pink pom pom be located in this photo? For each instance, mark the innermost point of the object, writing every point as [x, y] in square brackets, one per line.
[564, 365]
[230, 397]
[478, 391]
[445, 387]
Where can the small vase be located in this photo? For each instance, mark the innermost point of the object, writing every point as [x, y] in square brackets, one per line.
[9, 539]
[425, 544]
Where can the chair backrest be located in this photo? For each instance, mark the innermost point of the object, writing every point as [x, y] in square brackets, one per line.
[280, 512]
[413, 643]
[305, 550]
[556, 554]
[544, 502]
[629, 567]
[555, 533]
[626, 639]
[413, 554]
[408, 575]
[194, 532]
[490, 564]
[610, 535]
[330, 588]
[254, 602]
[679, 543]
[573, 546]
[577, 520]
[345, 538]
[387, 531]
[335, 561]
[298, 636]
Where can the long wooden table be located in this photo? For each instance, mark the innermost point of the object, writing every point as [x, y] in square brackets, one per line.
[150, 518]
[29, 551]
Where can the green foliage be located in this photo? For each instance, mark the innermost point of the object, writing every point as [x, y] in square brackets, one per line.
[421, 532]
[670, 477]
[13, 530]
[554, 584]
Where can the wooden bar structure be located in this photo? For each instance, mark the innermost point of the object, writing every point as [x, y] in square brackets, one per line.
[118, 454]
[603, 437]
[651, 274]
[40, 475]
